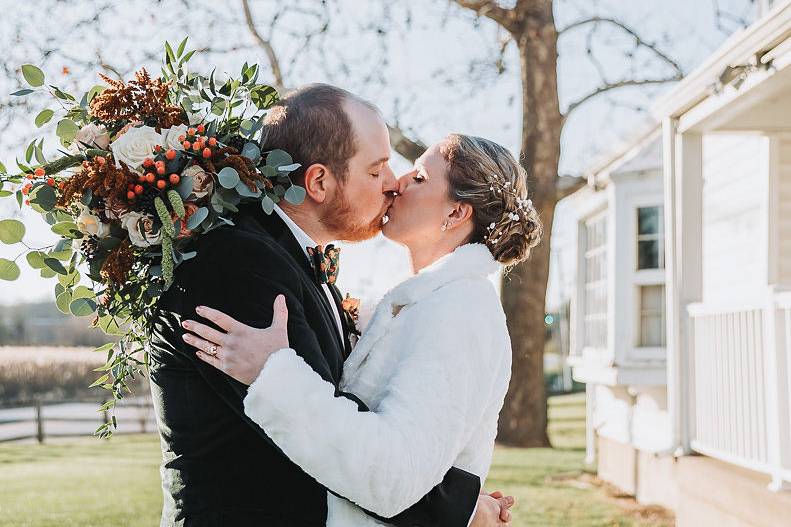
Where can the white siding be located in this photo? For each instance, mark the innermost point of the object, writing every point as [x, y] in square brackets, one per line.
[734, 250]
[784, 242]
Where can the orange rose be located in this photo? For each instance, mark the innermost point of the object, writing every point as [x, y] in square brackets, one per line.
[189, 210]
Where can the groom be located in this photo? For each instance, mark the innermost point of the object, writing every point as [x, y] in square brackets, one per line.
[219, 468]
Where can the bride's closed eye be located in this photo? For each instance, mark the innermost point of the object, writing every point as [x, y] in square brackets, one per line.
[420, 178]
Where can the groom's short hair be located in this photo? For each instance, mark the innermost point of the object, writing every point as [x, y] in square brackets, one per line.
[310, 123]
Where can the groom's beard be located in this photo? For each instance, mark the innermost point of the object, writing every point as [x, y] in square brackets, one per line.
[341, 220]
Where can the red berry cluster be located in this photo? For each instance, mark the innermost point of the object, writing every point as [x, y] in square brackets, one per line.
[38, 173]
[197, 143]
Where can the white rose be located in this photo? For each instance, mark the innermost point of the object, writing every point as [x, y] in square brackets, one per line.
[141, 229]
[90, 224]
[170, 137]
[93, 135]
[135, 146]
[202, 182]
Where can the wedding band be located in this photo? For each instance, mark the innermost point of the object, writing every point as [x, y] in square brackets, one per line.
[213, 351]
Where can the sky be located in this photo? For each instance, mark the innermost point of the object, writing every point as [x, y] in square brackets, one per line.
[431, 72]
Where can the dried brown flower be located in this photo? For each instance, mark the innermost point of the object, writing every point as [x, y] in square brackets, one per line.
[103, 179]
[118, 263]
[139, 99]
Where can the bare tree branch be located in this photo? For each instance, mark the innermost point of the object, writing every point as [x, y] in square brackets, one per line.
[265, 44]
[638, 40]
[490, 9]
[615, 85]
[406, 147]
[567, 185]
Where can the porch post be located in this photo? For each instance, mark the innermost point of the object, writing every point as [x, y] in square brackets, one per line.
[683, 175]
[777, 332]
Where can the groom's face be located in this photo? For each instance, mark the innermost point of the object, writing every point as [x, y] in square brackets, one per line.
[362, 201]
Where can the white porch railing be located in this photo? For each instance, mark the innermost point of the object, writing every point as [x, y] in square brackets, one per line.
[739, 385]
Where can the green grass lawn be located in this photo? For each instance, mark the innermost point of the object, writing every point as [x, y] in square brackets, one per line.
[87, 482]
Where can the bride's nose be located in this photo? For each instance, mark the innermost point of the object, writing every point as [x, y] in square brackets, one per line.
[403, 183]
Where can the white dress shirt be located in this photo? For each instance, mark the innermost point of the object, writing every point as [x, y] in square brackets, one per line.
[305, 241]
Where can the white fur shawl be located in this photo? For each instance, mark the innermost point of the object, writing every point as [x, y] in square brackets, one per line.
[433, 365]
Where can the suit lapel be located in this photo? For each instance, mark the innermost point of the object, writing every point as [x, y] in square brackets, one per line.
[346, 327]
[278, 229]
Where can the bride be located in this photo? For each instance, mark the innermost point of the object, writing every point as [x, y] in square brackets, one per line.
[433, 364]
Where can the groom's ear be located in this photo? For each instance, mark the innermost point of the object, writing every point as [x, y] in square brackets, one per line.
[318, 182]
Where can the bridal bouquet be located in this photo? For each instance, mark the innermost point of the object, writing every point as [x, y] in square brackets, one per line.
[145, 167]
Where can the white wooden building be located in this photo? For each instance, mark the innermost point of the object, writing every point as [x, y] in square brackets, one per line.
[697, 417]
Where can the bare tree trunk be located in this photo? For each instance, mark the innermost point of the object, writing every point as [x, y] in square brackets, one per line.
[523, 421]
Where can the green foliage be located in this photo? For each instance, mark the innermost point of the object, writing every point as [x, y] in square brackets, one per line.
[9, 270]
[44, 117]
[33, 75]
[11, 231]
[164, 217]
[176, 203]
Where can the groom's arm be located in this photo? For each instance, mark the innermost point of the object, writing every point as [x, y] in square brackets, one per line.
[451, 503]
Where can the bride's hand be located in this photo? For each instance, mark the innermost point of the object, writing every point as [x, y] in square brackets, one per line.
[242, 351]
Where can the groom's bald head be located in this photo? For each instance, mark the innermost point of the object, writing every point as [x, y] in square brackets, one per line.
[313, 124]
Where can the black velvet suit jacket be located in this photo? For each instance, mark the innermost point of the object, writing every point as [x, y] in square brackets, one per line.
[219, 468]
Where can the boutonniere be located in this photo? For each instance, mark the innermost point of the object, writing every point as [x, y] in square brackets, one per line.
[351, 307]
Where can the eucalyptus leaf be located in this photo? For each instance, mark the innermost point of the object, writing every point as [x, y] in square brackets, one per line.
[228, 177]
[82, 307]
[67, 130]
[245, 192]
[62, 301]
[295, 195]
[55, 265]
[33, 75]
[67, 229]
[268, 205]
[8, 270]
[48, 273]
[277, 158]
[197, 218]
[288, 168]
[45, 197]
[20, 93]
[251, 152]
[11, 231]
[83, 292]
[44, 117]
[36, 259]
[184, 187]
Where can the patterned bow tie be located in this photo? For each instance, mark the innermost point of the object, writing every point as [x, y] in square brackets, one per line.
[325, 263]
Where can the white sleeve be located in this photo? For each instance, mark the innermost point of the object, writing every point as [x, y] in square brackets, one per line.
[386, 460]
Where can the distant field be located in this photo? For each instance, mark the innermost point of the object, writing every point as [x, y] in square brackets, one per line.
[86, 482]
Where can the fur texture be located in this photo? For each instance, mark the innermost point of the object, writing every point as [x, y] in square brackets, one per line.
[433, 365]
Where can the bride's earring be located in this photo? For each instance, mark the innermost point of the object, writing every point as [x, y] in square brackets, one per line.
[444, 227]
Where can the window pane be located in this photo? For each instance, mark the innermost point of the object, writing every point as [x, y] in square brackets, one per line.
[648, 254]
[648, 220]
[651, 331]
[652, 316]
[651, 298]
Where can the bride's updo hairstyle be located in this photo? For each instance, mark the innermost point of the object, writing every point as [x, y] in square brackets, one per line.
[486, 176]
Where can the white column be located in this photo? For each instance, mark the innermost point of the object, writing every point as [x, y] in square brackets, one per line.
[683, 175]
[590, 425]
[776, 345]
[778, 428]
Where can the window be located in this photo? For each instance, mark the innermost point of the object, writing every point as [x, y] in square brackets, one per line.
[650, 238]
[652, 316]
[595, 319]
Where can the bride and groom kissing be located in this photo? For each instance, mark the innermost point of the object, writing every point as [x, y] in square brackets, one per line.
[267, 413]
